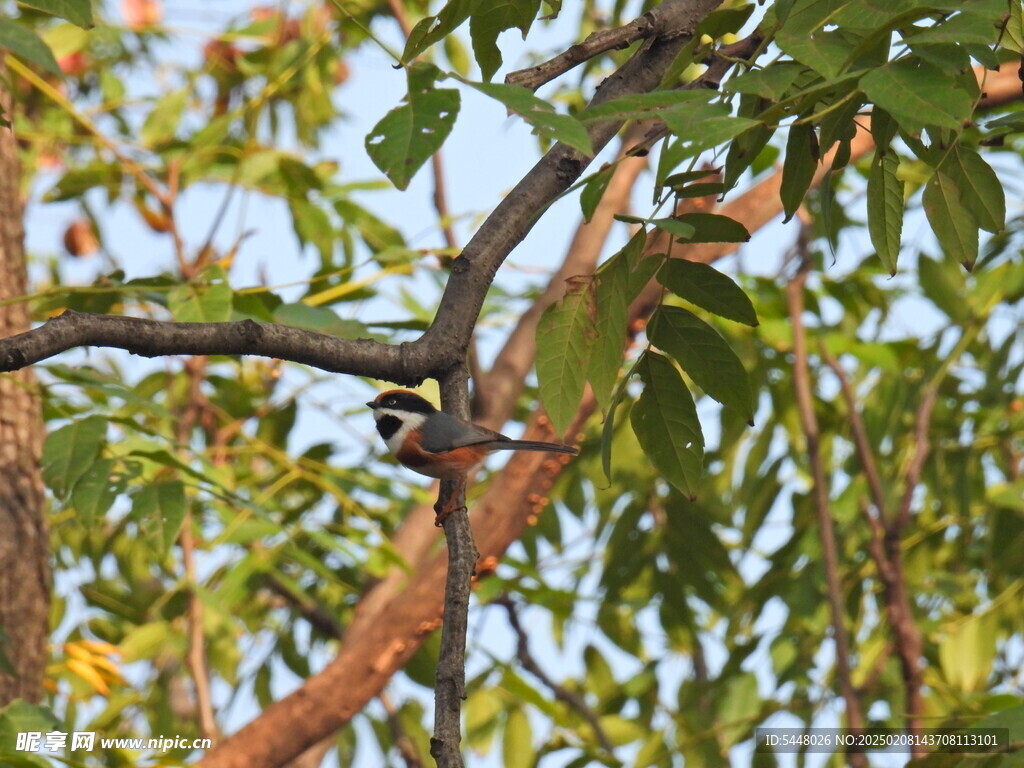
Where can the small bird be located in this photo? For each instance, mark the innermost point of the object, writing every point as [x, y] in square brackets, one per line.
[437, 444]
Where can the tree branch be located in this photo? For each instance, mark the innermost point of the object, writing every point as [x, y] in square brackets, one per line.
[408, 363]
[513, 218]
[450, 679]
[560, 691]
[922, 447]
[826, 530]
[596, 43]
[860, 435]
[195, 657]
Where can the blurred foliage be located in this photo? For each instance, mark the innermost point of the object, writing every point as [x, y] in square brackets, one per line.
[676, 589]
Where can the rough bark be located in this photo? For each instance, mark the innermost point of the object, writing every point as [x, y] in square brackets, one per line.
[24, 545]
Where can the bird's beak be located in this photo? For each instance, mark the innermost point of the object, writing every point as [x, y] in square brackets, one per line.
[372, 405]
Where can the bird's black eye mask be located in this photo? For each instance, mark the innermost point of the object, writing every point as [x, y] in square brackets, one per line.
[388, 425]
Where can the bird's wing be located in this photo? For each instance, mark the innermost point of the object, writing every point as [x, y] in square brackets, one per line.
[448, 433]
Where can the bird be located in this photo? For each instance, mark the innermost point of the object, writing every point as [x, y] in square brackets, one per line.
[439, 445]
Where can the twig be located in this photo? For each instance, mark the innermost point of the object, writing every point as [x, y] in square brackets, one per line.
[596, 43]
[860, 435]
[444, 217]
[195, 657]
[922, 447]
[560, 691]
[402, 741]
[311, 611]
[826, 529]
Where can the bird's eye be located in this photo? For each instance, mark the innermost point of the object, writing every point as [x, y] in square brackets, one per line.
[390, 401]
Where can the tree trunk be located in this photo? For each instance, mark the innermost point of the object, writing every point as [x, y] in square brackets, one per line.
[24, 540]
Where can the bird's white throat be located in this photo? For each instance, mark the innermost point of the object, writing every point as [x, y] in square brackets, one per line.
[410, 422]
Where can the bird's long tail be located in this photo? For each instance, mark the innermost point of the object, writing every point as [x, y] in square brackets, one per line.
[534, 445]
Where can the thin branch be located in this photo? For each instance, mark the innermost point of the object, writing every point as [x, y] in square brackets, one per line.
[860, 435]
[826, 529]
[195, 658]
[922, 447]
[560, 691]
[444, 217]
[648, 25]
[318, 616]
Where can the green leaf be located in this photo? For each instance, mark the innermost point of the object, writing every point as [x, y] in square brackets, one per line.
[593, 191]
[709, 289]
[564, 338]
[205, 299]
[517, 742]
[318, 319]
[619, 280]
[885, 208]
[665, 422]
[799, 167]
[981, 192]
[967, 651]
[70, 451]
[713, 228]
[918, 94]
[698, 118]
[312, 225]
[162, 122]
[159, 509]
[966, 26]
[1014, 37]
[26, 44]
[803, 36]
[76, 11]
[951, 221]
[431, 29]
[705, 356]
[539, 114]
[943, 284]
[675, 226]
[772, 82]
[19, 716]
[490, 20]
[95, 491]
[746, 146]
[409, 134]
[145, 641]
[738, 708]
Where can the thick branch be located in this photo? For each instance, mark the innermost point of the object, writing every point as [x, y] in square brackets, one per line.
[826, 530]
